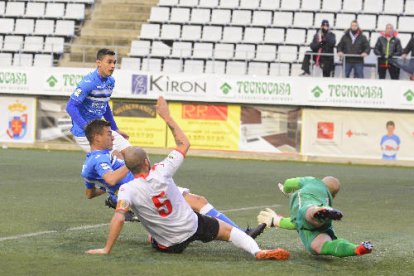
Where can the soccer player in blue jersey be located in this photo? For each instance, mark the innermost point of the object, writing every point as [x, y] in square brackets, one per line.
[104, 172]
[90, 101]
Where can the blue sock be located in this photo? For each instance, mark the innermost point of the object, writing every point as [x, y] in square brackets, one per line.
[212, 212]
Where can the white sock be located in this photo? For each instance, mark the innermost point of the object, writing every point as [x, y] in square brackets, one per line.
[206, 208]
[243, 241]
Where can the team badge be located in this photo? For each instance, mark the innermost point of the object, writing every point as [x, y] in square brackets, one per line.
[17, 127]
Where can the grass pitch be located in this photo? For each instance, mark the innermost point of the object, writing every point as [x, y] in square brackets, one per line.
[42, 195]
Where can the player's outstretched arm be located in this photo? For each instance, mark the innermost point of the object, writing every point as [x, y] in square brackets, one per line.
[272, 219]
[113, 177]
[115, 229]
[181, 140]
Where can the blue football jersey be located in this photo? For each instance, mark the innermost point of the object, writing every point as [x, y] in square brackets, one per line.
[98, 163]
[93, 92]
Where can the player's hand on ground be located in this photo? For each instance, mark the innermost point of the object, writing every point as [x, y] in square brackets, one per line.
[280, 186]
[100, 251]
[267, 216]
[123, 134]
[162, 107]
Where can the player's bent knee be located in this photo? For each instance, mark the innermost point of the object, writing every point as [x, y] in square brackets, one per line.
[318, 242]
[196, 202]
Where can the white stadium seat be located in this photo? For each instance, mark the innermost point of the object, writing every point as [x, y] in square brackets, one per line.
[321, 16]
[193, 66]
[13, 43]
[367, 21]
[65, 28]
[181, 49]
[295, 36]
[241, 17]
[405, 24]
[129, 63]
[33, 44]
[343, 20]
[236, 68]
[151, 65]
[253, 35]
[221, 17]
[191, 32]
[352, 6]
[274, 35]
[296, 69]
[290, 5]
[15, 9]
[35, 9]
[215, 67]
[279, 69]
[283, 19]
[311, 5]
[170, 32]
[211, 33]
[302, 51]
[229, 4]
[404, 39]
[172, 66]
[208, 3]
[168, 2]
[373, 6]
[266, 53]
[6, 25]
[409, 7]
[188, 3]
[374, 38]
[140, 48]
[44, 27]
[394, 6]
[223, 51]
[287, 53]
[180, 15]
[258, 68]
[383, 20]
[55, 10]
[150, 31]
[6, 59]
[201, 16]
[245, 52]
[249, 4]
[75, 11]
[54, 45]
[159, 14]
[303, 19]
[203, 50]
[25, 60]
[232, 34]
[2, 7]
[269, 5]
[24, 26]
[43, 60]
[332, 5]
[262, 18]
[159, 49]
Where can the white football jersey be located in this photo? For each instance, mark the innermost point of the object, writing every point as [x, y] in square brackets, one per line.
[159, 204]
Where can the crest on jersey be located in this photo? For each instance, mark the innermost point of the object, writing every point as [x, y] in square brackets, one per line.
[105, 166]
[78, 92]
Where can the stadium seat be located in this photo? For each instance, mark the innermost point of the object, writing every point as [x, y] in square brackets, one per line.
[371, 59]
[170, 32]
[409, 8]
[295, 36]
[352, 6]
[223, 51]
[287, 53]
[269, 5]
[33, 44]
[366, 22]
[249, 4]
[200, 16]
[168, 2]
[188, 3]
[43, 60]
[181, 49]
[258, 68]
[65, 28]
[343, 20]
[215, 67]
[151, 65]
[203, 50]
[290, 5]
[241, 17]
[332, 5]
[208, 3]
[311, 5]
[221, 17]
[394, 6]
[296, 69]
[253, 35]
[15, 9]
[302, 51]
[191, 33]
[244, 52]
[262, 18]
[6, 59]
[13, 43]
[54, 45]
[54, 10]
[140, 48]
[405, 24]
[274, 36]
[229, 4]
[303, 19]
[44, 27]
[279, 69]
[75, 11]
[373, 39]
[266, 53]
[180, 15]
[35, 9]
[172, 66]
[150, 31]
[283, 19]
[322, 16]
[338, 35]
[159, 49]
[2, 7]
[211, 33]
[373, 6]
[193, 66]
[232, 34]
[24, 26]
[404, 39]
[129, 63]
[236, 68]
[6, 25]
[383, 20]
[25, 60]
[159, 14]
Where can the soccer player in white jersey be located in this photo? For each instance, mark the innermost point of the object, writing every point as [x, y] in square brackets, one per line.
[161, 208]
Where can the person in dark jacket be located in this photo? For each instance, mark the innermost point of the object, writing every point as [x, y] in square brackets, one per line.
[387, 47]
[409, 48]
[323, 42]
[353, 42]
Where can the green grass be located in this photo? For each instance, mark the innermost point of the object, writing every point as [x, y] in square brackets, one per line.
[42, 191]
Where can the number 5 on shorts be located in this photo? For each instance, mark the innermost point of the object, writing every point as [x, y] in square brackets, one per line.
[163, 205]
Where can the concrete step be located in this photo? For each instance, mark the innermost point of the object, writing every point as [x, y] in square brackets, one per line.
[126, 16]
[143, 2]
[109, 33]
[119, 8]
[123, 25]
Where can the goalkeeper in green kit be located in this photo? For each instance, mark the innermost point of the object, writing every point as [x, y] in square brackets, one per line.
[311, 216]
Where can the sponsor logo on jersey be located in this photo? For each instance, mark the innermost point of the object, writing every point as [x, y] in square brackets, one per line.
[105, 166]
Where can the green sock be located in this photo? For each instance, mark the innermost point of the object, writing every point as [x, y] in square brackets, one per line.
[339, 248]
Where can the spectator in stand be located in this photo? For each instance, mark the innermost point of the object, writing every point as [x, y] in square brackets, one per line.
[387, 47]
[324, 41]
[409, 48]
[353, 42]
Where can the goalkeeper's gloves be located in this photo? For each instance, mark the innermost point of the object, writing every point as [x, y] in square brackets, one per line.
[269, 217]
[281, 187]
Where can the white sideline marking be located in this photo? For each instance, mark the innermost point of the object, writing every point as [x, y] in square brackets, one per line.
[85, 227]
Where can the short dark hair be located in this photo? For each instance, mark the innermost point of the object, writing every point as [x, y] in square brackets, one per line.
[104, 52]
[390, 123]
[95, 127]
